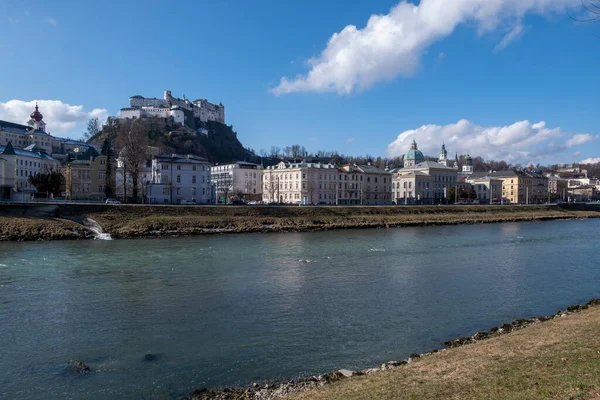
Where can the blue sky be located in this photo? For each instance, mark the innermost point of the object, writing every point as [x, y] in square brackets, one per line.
[467, 72]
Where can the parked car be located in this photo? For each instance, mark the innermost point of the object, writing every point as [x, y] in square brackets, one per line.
[112, 201]
[187, 202]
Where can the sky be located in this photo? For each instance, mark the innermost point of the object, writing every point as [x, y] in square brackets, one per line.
[501, 79]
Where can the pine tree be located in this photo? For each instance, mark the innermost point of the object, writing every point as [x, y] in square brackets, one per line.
[109, 188]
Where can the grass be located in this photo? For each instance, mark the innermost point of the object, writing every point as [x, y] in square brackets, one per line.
[136, 221]
[558, 359]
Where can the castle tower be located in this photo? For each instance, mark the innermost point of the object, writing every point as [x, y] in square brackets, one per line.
[443, 156]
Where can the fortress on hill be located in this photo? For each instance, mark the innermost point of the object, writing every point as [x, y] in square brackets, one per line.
[182, 111]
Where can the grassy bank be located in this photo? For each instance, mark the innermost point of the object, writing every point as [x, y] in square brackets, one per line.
[557, 359]
[20, 222]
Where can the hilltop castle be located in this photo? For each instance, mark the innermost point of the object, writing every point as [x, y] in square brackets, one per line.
[182, 111]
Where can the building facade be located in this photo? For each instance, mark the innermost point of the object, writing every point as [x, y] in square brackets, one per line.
[520, 187]
[487, 189]
[16, 166]
[172, 107]
[424, 183]
[179, 179]
[85, 176]
[241, 180]
[317, 183]
[35, 134]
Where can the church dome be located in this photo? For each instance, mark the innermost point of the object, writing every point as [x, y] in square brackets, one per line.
[36, 115]
[414, 153]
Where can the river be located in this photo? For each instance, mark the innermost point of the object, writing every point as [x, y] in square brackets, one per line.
[228, 310]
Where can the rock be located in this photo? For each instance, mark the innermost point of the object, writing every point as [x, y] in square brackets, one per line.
[80, 367]
[593, 302]
[332, 376]
[414, 355]
[370, 371]
[480, 336]
[149, 357]
[255, 385]
[346, 372]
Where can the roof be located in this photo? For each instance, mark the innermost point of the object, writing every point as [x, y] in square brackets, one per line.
[371, 169]
[429, 165]
[9, 150]
[415, 174]
[179, 158]
[89, 154]
[414, 154]
[24, 153]
[19, 128]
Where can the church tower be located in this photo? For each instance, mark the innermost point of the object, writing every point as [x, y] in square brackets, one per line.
[443, 156]
[467, 169]
[36, 122]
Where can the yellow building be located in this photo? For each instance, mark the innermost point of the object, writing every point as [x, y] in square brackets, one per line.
[520, 187]
[85, 176]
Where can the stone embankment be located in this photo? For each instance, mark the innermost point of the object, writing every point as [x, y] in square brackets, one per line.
[283, 389]
[49, 222]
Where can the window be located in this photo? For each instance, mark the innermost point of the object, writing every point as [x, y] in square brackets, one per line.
[178, 190]
[166, 191]
[178, 178]
[194, 179]
[164, 166]
[179, 168]
[193, 167]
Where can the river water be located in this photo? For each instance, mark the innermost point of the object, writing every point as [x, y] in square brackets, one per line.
[229, 310]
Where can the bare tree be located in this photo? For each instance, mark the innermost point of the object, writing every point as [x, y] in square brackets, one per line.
[93, 128]
[134, 153]
[275, 151]
[592, 7]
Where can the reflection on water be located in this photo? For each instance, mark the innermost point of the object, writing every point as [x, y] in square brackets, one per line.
[228, 310]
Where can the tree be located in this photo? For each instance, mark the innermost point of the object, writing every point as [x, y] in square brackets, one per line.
[451, 194]
[109, 177]
[93, 128]
[134, 153]
[275, 151]
[50, 182]
[592, 7]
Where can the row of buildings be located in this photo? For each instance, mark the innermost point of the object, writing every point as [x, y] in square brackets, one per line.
[26, 150]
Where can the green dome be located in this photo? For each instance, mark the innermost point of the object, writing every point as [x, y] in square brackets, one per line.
[414, 153]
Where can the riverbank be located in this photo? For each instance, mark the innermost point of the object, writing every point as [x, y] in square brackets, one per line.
[551, 357]
[49, 222]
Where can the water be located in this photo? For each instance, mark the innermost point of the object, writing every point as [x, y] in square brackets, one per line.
[233, 309]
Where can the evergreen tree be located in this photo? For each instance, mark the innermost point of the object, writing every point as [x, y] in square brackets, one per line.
[109, 189]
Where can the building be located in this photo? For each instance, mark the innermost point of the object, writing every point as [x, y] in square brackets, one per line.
[487, 189]
[240, 179]
[317, 183]
[179, 179]
[519, 187]
[85, 175]
[364, 185]
[181, 111]
[17, 165]
[583, 193]
[35, 134]
[443, 159]
[557, 188]
[420, 181]
[467, 168]
[413, 156]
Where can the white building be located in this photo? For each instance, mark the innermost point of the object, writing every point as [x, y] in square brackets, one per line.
[423, 182]
[316, 183]
[179, 179]
[487, 189]
[173, 107]
[239, 179]
[34, 134]
[16, 166]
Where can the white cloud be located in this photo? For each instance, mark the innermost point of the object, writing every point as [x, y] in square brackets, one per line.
[590, 161]
[579, 139]
[51, 21]
[510, 37]
[60, 117]
[521, 142]
[351, 140]
[391, 45]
